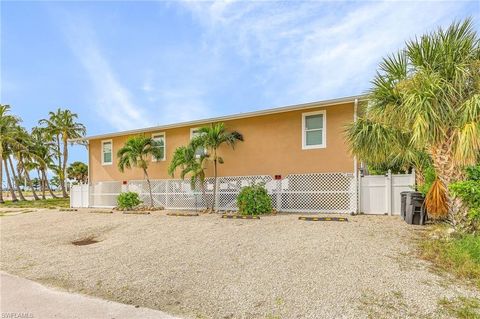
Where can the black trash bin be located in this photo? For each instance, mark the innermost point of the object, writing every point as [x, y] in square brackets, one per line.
[415, 213]
[403, 203]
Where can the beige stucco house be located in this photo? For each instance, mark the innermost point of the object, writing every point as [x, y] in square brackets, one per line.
[299, 152]
[297, 139]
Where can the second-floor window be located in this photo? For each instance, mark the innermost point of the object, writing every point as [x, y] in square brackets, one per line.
[314, 130]
[159, 138]
[107, 152]
[194, 133]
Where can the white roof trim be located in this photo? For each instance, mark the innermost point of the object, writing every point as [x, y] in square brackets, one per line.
[228, 117]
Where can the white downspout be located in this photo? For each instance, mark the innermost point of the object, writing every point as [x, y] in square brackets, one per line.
[355, 164]
[88, 174]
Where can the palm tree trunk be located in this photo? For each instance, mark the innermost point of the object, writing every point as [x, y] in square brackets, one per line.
[60, 165]
[214, 180]
[64, 167]
[204, 193]
[149, 187]
[15, 180]
[419, 177]
[29, 181]
[448, 172]
[42, 184]
[9, 182]
[1, 181]
[45, 179]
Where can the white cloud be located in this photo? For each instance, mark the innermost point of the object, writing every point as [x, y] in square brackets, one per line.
[113, 102]
[315, 50]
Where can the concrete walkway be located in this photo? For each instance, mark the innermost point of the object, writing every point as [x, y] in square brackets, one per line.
[22, 298]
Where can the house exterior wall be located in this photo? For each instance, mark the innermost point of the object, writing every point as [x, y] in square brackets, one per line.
[272, 146]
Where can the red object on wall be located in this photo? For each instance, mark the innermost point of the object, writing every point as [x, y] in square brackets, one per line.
[124, 182]
[278, 176]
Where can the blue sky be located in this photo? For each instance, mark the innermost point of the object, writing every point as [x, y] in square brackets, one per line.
[124, 65]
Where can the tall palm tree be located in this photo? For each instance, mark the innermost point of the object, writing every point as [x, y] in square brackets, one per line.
[136, 153]
[15, 178]
[211, 138]
[25, 158]
[8, 125]
[43, 156]
[428, 95]
[62, 126]
[185, 158]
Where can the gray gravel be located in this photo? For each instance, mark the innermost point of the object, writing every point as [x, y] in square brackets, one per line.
[208, 267]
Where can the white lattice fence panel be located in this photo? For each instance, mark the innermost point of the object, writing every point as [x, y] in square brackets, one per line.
[159, 189]
[318, 192]
[104, 194]
[229, 188]
[180, 195]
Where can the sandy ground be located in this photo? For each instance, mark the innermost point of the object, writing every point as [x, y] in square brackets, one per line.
[208, 267]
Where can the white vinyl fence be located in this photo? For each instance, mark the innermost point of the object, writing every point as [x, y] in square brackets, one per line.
[316, 192]
[380, 194]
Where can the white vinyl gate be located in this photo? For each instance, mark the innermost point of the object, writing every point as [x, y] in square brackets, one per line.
[380, 194]
[316, 192]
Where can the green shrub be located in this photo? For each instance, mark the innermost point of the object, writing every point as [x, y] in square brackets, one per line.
[469, 192]
[254, 200]
[429, 176]
[128, 200]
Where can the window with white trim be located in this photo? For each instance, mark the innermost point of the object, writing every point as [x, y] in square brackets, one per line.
[194, 132]
[314, 130]
[107, 152]
[159, 138]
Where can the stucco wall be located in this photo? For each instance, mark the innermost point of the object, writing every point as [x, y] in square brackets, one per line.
[272, 146]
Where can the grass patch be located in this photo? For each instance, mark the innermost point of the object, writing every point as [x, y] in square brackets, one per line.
[458, 254]
[387, 305]
[44, 203]
[461, 307]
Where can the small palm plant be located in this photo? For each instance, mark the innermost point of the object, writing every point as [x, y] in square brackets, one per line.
[211, 138]
[135, 153]
[186, 159]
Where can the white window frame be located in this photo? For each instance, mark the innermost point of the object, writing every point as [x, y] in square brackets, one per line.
[154, 135]
[192, 130]
[304, 132]
[103, 154]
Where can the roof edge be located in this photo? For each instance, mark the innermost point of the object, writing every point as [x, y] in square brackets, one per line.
[275, 110]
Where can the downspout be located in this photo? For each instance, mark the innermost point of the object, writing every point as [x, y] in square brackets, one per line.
[88, 174]
[355, 164]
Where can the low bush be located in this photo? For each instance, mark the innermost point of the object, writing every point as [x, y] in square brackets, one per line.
[469, 192]
[128, 200]
[254, 200]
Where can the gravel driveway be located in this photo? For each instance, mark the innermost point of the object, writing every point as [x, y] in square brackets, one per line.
[208, 267]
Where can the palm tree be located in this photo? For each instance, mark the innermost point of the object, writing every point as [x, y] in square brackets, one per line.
[62, 126]
[8, 125]
[382, 146]
[185, 158]
[15, 178]
[428, 96]
[135, 153]
[212, 137]
[43, 156]
[78, 171]
[25, 158]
